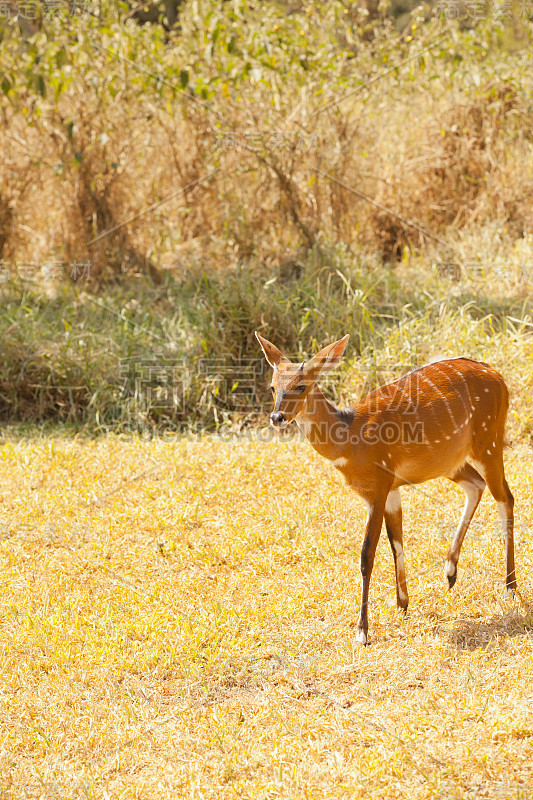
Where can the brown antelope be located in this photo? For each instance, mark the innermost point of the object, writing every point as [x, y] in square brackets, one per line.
[422, 426]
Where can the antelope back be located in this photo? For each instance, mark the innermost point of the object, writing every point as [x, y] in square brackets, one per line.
[428, 422]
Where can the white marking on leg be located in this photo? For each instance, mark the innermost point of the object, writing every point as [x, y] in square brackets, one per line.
[400, 563]
[449, 569]
[360, 637]
[473, 493]
[394, 501]
[401, 594]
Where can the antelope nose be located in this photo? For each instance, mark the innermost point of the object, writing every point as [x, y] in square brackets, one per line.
[276, 418]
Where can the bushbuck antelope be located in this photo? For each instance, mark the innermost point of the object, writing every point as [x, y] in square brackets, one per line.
[422, 426]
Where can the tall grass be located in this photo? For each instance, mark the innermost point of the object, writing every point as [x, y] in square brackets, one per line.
[306, 174]
[182, 354]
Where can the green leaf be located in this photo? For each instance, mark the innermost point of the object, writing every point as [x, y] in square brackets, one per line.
[39, 85]
[6, 84]
[61, 57]
[184, 78]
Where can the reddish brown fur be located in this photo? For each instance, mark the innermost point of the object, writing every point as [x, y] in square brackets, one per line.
[422, 426]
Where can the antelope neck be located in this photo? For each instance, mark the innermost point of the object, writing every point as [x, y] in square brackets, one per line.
[318, 420]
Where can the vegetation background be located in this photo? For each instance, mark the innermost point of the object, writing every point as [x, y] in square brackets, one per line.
[306, 170]
[176, 612]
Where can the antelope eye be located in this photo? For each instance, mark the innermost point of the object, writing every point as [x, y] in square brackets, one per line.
[273, 390]
[300, 389]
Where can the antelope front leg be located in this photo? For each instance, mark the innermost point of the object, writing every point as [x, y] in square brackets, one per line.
[368, 551]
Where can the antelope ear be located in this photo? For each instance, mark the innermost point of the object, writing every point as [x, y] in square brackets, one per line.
[327, 358]
[274, 356]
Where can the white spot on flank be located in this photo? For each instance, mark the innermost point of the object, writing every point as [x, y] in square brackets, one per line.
[394, 501]
[437, 441]
[449, 569]
[486, 390]
[489, 453]
[494, 444]
[340, 462]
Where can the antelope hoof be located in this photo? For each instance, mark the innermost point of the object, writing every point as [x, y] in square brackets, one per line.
[402, 601]
[361, 637]
[509, 593]
[450, 571]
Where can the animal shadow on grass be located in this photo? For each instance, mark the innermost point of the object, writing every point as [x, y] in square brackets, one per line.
[473, 634]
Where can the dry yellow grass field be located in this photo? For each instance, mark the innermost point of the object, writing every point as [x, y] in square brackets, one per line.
[177, 621]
